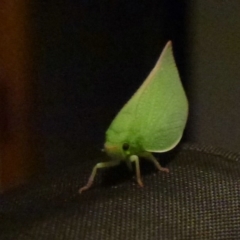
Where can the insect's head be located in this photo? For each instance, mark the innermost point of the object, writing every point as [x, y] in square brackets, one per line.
[117, 151]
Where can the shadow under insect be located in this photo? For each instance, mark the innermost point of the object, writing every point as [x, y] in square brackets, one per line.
[121, 173]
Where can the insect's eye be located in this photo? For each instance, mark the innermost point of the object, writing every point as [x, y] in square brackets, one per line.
[125, 146]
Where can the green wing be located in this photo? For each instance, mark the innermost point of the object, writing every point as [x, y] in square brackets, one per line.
[156, 115]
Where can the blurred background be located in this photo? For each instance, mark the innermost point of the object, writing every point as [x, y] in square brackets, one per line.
[67, 67]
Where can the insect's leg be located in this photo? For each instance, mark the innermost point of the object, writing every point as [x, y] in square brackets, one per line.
[134, 158]
[150, 157]
[94, 171]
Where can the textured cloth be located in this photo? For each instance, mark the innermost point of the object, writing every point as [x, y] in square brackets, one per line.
[198, 199]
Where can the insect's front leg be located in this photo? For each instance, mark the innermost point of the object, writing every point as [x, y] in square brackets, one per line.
[150, 157]
[94, 171]
[135, 158]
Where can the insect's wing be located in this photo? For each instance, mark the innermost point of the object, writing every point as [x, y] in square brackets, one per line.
[156, 115]
[120, 130]
[163, 107]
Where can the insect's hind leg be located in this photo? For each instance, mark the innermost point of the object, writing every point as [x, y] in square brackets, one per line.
[150, 157]
[94, 171]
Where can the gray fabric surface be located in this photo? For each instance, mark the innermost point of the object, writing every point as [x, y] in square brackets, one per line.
[198, 199]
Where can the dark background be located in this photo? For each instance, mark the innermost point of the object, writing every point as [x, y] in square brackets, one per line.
[90, 57]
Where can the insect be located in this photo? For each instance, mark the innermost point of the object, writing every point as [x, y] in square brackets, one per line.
[153, 120]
